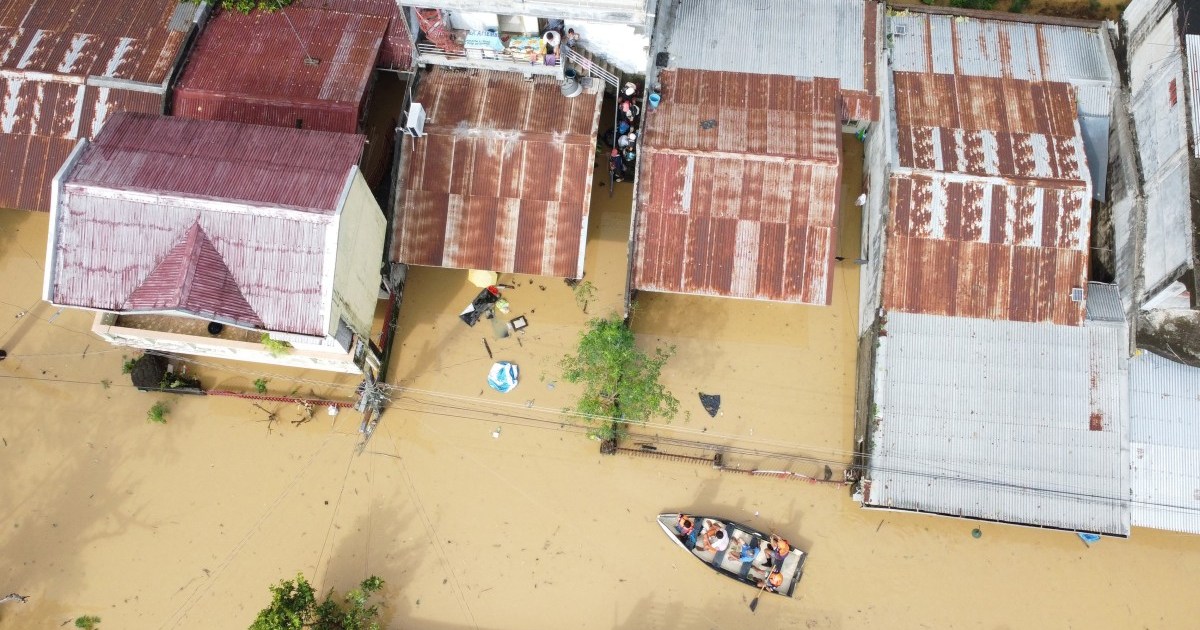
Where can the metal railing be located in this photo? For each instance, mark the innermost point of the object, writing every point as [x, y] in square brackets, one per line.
[590, 66]
[430, 50]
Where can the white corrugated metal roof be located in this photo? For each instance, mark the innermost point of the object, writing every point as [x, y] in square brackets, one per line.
[1193, 69]
[803, 38]
[1165, 450]
[999, 420]
[1104, 303]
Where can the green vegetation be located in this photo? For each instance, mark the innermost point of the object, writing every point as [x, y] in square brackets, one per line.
[584, 292]
[105, 383]
[294, 606]
[982, 5]
[1018, 6]
[158, 413]
[277, 347]
[620, 381]
[87, 622]
[127, 366]
[246, 6]
[260, 385]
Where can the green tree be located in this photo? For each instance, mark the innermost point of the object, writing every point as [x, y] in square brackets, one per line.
[294, 606]
[620, 381]
[246, 6]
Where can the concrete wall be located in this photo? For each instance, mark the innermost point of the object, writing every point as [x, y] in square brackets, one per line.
[613, 11]
[361, 231]
[329, 361]
[881, 137]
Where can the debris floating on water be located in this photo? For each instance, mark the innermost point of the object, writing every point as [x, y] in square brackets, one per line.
[711, 402]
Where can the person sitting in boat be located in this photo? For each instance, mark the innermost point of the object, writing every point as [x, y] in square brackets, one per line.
[714, 538]
[773, 582]
[685, 528]
[742, 550]
[779, 547]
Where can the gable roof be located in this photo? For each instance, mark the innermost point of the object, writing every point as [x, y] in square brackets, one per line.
[251, 68]
[218, 220]
[746, 205]
[502, 178]
[67, 65]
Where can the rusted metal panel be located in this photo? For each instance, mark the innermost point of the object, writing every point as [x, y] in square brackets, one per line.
[501, 179]
[746, 207]
[250, 68]
[986, 249]
[213, 219]
[228, 161]
[396, 51]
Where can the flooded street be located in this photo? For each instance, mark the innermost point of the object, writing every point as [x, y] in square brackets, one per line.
[186, 525]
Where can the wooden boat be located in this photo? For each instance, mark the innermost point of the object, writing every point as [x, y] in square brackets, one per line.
[751, 572]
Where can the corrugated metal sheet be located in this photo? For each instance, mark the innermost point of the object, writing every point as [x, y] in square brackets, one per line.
[988, 127]
[236, 162]
[986, 249]
[55, 55]
[138, 226]
[1104, 303]
[1165, 443]
[1193, 68]
[501, 180]
[997, 420]
[396, 52]
[747, 208]
[802, 38]
[251, 68]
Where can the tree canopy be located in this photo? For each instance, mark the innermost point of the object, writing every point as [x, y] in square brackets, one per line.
[294, 606]
[621, 382]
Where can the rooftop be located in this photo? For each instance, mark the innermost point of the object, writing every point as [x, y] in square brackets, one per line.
[835, 39]
[217, 220]
[747, 205]
[1164, 450]
[251, 68]
[502, 178]
[65, 70]
[990, 200]
[1000, 420]
[396, 51]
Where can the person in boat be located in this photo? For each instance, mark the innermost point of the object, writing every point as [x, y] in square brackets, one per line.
[742, 551]
[773, 581]
[779, 547]
[685, 528]
[714, 538]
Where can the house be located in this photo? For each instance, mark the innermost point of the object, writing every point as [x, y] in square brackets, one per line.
[1155, 220]
[996, 372]
[164, 225]
[739, 179]
[66, 67]
[396, 51]
[254, 69]
[500, 178]
[1164, 450]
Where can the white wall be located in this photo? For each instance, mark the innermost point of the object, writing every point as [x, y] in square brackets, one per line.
[206, 346]
[622, 45]
[881, 137]
[361, 230]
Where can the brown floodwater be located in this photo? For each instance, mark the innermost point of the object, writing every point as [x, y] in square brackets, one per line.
[185, 525]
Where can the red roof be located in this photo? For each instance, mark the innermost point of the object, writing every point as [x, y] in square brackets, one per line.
[67, 65]
[227, 161]
[501, 180]
[251, 68]
[991, 203]
[739, 187]
[396, 52]
[219, 220]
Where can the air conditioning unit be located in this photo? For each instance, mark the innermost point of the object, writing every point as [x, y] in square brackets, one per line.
[414, 122]
[899, 30]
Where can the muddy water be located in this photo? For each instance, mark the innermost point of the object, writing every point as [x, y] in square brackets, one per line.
[185, 525]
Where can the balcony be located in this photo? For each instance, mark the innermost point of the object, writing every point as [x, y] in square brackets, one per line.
[527, 61]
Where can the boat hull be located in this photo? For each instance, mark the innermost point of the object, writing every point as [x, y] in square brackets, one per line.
[749, 573]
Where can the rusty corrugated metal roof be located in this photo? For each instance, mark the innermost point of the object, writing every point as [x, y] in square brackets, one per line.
[219, 220]
[251, 68]
[990, 203]
[67, 65]
[396, 52]
[739, 187]
[501, 180]
[224, 161]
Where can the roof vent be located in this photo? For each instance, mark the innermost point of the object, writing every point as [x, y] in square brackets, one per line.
[414, 123]
[1076, 294]
[899, 30]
